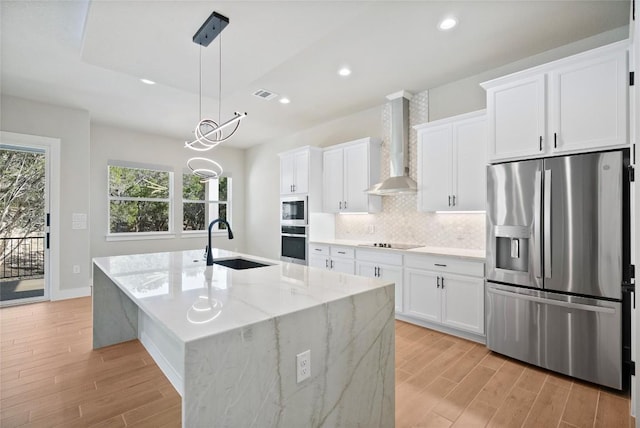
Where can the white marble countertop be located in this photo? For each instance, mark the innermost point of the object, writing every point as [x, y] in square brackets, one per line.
[192, 300]
[436, 251]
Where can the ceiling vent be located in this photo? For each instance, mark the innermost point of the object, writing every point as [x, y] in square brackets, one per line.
[264, 94]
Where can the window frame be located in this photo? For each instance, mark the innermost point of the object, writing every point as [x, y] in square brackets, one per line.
[216, 230]
[127, 236]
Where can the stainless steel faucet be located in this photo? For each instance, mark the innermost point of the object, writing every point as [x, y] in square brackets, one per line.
[208, 249]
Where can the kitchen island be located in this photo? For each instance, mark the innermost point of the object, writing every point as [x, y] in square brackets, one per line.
[228, 339]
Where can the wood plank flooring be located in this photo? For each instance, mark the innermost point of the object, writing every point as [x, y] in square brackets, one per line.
[50, 377]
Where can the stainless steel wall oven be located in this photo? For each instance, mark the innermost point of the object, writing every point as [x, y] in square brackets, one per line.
[293, 244]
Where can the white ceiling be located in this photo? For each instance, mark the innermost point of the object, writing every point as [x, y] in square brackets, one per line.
[91, 55]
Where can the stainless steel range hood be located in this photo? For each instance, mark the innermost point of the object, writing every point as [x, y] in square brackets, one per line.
[399, 181]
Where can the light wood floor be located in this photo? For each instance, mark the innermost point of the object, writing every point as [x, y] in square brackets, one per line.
[50, 376]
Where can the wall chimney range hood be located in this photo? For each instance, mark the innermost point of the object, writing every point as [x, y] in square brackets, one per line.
[399, 181]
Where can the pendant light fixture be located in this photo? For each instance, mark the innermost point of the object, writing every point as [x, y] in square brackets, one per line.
[208, 132]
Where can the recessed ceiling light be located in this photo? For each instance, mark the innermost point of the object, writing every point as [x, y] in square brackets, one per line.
[447, 23]
[148, 82]
[344, 71]
[284, 100]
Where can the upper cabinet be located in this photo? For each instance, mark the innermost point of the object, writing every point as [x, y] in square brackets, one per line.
[294, 172]
[301, 173]
[452, 163]
[349, 169]
[571, 105]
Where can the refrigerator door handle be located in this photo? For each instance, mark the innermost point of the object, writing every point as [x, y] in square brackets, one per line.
[580, 306]
[537, 235]
[546, 223]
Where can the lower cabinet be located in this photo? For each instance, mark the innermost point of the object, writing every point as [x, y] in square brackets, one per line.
[450, 299]
[339, 259]
[386, 272]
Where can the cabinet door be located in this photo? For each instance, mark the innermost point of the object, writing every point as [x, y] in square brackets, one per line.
[318, 261]
[434, 169]
[286, 174]
[463, 303]
[470, 165]
[393, 274]
[588, 102]
[356, 177]
[332, 180]
[422, 296]
[366, 269]
[301, 172]
[516, 117]
[343, 265]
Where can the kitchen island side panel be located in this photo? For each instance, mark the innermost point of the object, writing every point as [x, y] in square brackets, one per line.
[115, 316]
[247, 377]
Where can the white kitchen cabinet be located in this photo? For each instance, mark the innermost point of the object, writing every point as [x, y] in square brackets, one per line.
[445, 291]
[572, 105]
[385, 265]
[452, 163]
[348, 170]
[297, 170]
[336, 258]
[423, 295]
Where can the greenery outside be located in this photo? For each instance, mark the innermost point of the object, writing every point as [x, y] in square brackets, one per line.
[204, 202]
[139, 200]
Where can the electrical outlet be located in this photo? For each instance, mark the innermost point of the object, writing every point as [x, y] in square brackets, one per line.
[76, 269]
[303, 365]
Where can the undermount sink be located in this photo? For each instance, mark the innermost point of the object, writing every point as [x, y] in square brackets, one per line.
[239, 263]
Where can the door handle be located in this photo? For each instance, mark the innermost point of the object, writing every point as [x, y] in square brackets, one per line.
[440, 264]
[326, 263]
[437, 282]
[331, 264]
[345, 205]
[546, 223]
[454, 200]
[541, 143]
[449, 200]
[294, 187]
[537, 228]
[552, 302]
[442, 282]
[340, 204]
[555, 140]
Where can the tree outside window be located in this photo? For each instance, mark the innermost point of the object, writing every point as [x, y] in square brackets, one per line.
[203, 202]
[139, 200]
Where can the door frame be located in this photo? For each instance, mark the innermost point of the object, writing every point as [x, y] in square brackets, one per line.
[51, 146]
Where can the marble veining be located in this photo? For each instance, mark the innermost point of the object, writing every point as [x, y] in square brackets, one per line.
[230, 338]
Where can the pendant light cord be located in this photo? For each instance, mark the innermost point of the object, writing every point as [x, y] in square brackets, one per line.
[220, 81]
[200, 87]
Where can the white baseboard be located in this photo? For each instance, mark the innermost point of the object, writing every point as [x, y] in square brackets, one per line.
[70, 293]
[444, 329]
[166, 367]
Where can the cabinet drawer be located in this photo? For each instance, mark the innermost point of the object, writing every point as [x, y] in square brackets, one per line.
[319, 249]
[377, 256]
[445, 264]
[342, 252]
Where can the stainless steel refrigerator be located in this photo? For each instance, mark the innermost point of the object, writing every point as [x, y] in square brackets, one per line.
[557, 251]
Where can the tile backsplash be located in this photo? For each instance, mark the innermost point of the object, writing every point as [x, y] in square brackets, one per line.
[400, 221]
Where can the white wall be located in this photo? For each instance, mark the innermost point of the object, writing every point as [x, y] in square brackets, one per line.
[263, 174]
[110, 143]
[71, 126]
[466, 95]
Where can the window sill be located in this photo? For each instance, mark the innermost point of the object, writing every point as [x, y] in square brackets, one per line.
[140, 236]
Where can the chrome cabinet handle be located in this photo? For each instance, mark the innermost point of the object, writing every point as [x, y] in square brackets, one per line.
[454, 200]
[326, 263]
[555, 140]
[442, 282]
[440, 264]
[345, 205]
[341, 252]
[318, 249]
[340, 204]
[541, 143]
[437, 282]
[449, 200]
[331, 264]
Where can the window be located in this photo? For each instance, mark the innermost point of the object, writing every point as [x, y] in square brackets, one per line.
[205, 202]
[139, 199]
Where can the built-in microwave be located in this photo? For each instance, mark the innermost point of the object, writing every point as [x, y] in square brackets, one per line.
[294, 211]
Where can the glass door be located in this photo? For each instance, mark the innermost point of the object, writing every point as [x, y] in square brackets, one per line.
[24, 224]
